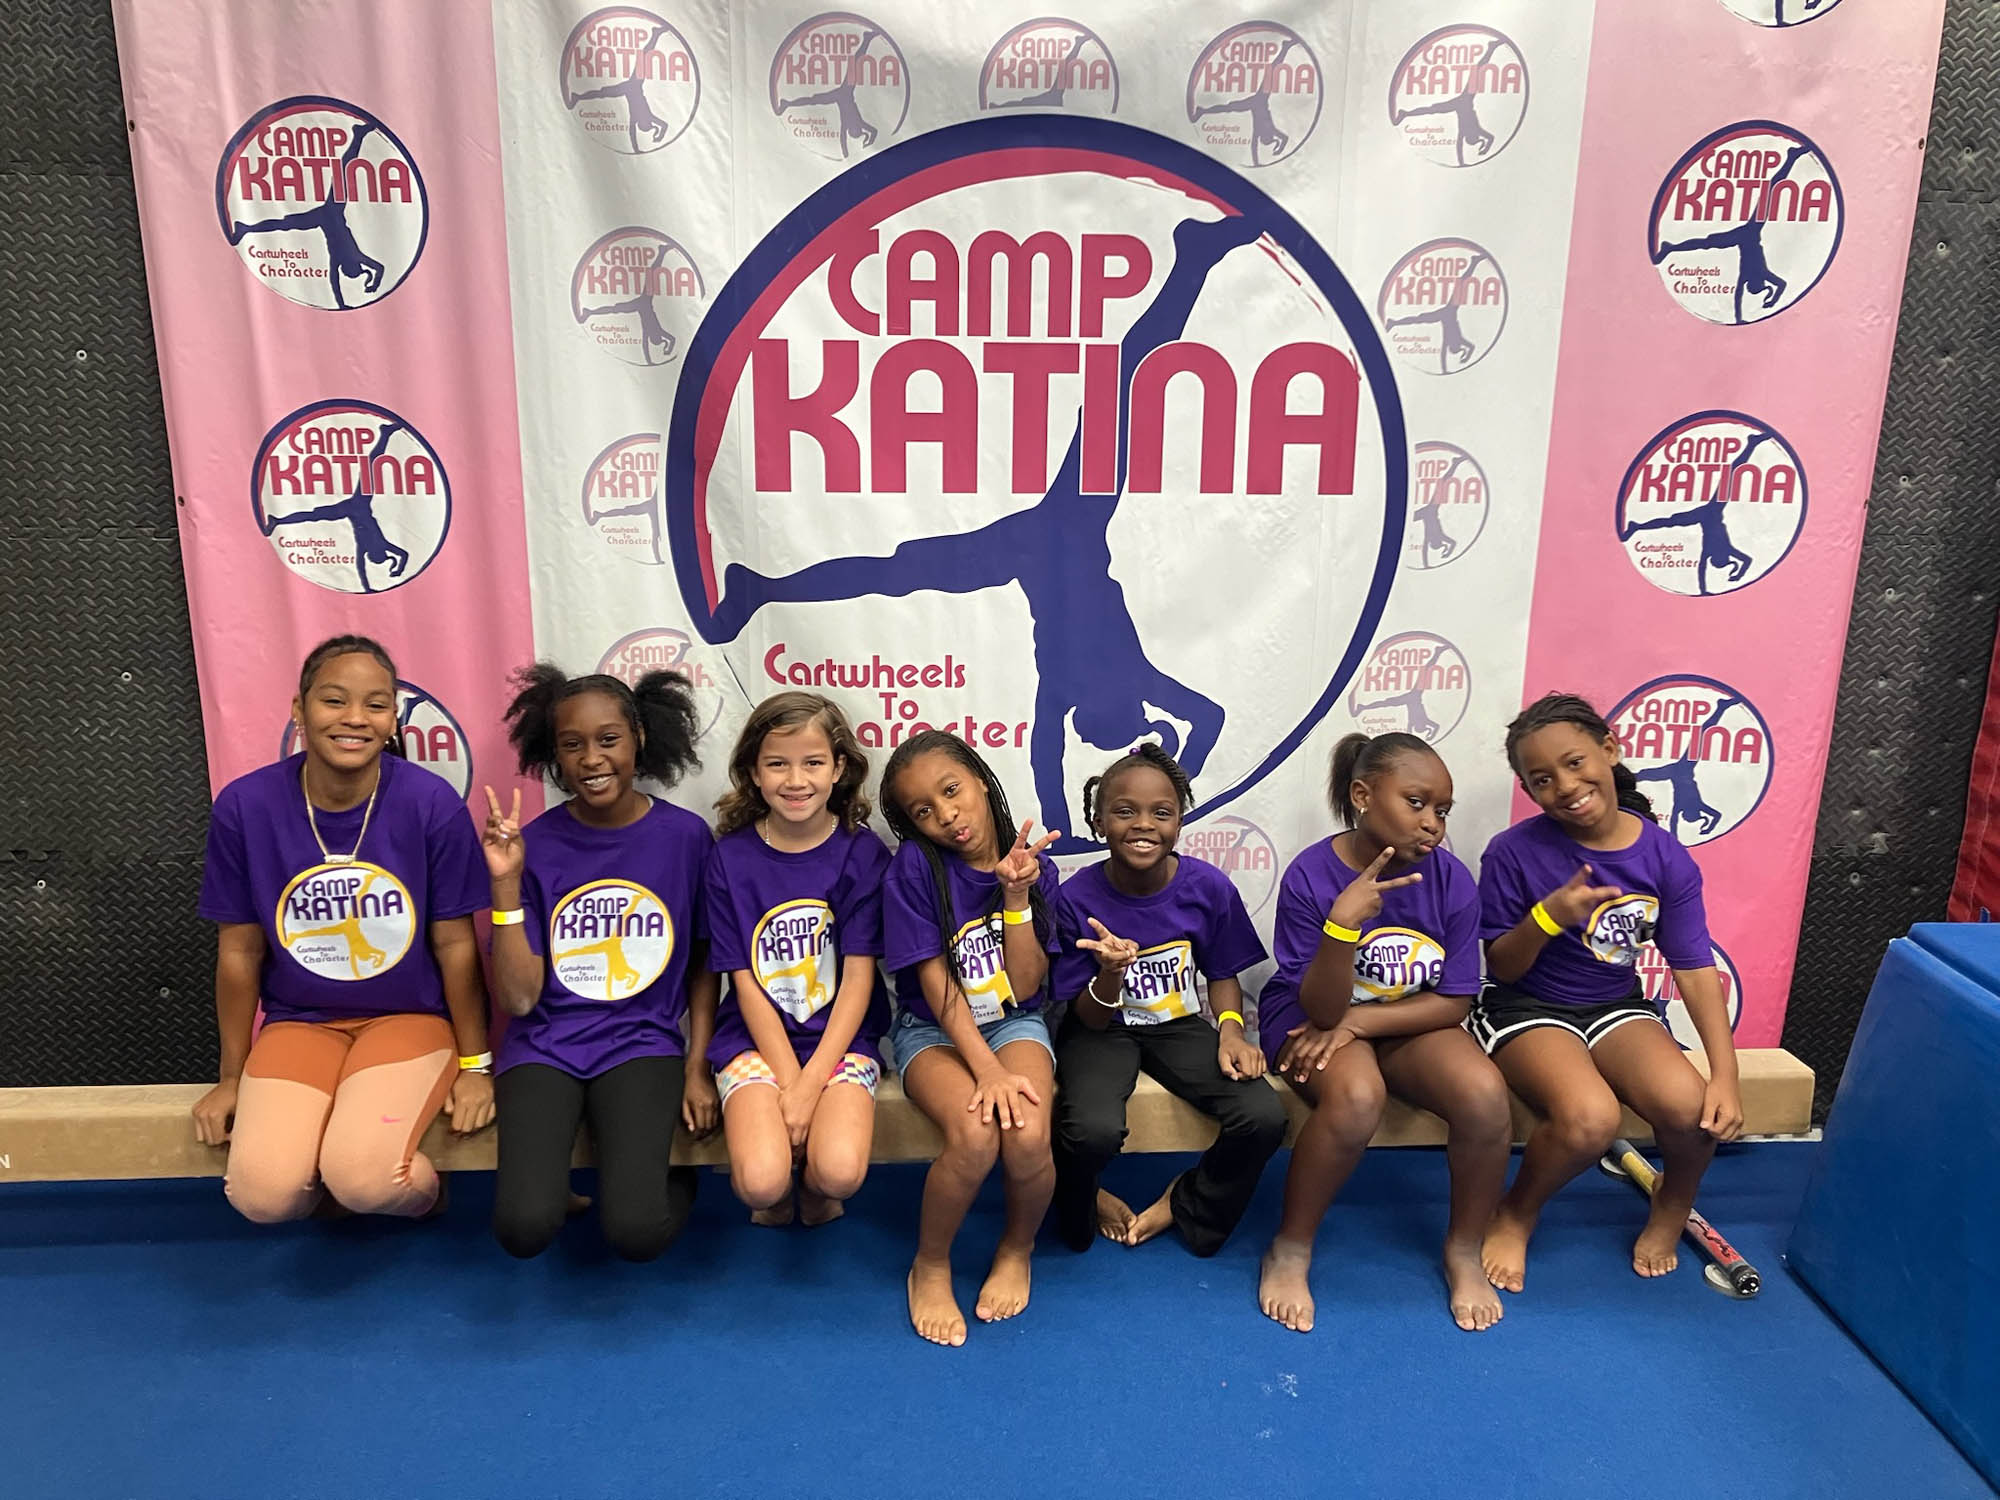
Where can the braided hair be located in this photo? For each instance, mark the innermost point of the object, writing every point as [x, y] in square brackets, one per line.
[1552, 709]
[1360, 757]
[1147, 754]
[350, 645]
[923, 742]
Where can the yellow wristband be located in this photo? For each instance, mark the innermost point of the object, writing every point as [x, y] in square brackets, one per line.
[1230, 1015]
[512, 918]
[1544, 921]
[1341, 934]
[1018, 918]
[469, 1064]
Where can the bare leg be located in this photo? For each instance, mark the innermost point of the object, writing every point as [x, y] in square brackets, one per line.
[940, 1083]
[1647, 1069]
[760, 1153]
[1550, 1068]
[1347, 1099]
[1444, 1072]
[1031, 1181]
[843, 1129]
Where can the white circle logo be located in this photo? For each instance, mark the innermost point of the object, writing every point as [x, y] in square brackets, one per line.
[793, 957]
[1711, 504]
[1448, 505]
[630, 79]
[1413, 683]
[609, 940]
[346, 921]
[1443, 306]
[637, 295]
[621, 497]
[1459, 96]
[1254, 95]
[840, 85]
[1620, 927]
[1391, 962]
[1700, 751]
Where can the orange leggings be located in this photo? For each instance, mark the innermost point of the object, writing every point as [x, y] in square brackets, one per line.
[339, 1106]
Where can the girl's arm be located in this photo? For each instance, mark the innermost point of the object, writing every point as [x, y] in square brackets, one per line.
[766, 1027]
[1411, 1016]
[1570, 904]
[470, 1103]
[850, 1007]
[701, 1107]
[997, 1094]
[1326, 989]
[239, 960]
[1026, 961]
[1722, 1106]
[1233, 1050]
[518, 974]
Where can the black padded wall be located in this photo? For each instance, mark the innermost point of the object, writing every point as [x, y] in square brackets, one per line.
[104, 972]
[1914, 680]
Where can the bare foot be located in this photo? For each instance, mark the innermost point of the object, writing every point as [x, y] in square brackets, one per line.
[815, 1209]
[933, 1310]
[1114, 1217]
[1474, 1307]
[1006, 1291]
[1504, 1257]
[578, 1203]
[1158, 1215]
[1282, 1290]
[777, 1216]
[1657, 1250]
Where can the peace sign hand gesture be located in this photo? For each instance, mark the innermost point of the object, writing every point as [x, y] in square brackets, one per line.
[1021, 866]
[500, 840]
[1572, 902]
[1114, 953]
[1358, 904]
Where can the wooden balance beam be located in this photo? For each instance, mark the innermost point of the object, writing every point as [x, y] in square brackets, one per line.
[113, 1134]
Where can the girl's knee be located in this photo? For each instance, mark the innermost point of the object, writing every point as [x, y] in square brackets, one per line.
[1675, 1108]
[637, 1236]
[1351, 1105]
[761, 1181]
[1258, 1116]
[973, 1143]
[837, 1172]
[1588, 1123]
[526, 1230]
[1093, 1134]
[267, 1198]
[1484, 1111]
[1024, 1150]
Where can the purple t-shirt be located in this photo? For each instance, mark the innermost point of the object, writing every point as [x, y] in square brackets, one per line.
[793, 920]
[912, 931]
[1426, 937]
[1593, 965]
[343, 939]
[1195, 923]
[613, 912]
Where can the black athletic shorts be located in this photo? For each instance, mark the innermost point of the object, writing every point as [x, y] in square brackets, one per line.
[1502, 1013]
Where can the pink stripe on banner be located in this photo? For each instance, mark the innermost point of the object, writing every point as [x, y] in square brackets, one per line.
[396, 121]
[1854, 86]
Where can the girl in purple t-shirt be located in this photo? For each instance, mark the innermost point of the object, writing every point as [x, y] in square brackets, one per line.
[1137, 929]
[344, 880]
[1568, 899]
[599, 956]
[1378, 961]
[968, 932]
[794, 891]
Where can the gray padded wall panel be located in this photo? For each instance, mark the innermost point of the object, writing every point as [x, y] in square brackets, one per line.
[1914, 679]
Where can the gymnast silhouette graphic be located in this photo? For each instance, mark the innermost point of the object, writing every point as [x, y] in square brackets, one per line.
[1466, 106]
[344, 256]
[641, 307]
[1258, 107]
[841, 96]
[1427, 516]
[1779, 17]
[638, 109]
[647, 509]
[1753, 271]
[1411, 702]
[1052, 96]
[1454, 341]
[1093, 674]
[371, 543]
[1712, 516]
[1689, 805]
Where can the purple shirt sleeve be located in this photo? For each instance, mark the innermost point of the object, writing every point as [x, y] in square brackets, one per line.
[1503, 890]
[225, 872]
[534, 901]
[1231, 944]
[457, 874]
[1073, 967]
[858, 916]
[1295, 930]
[909, 911]
[728, 945]
[1051, 888]
[1461, 938]
[1681, 934]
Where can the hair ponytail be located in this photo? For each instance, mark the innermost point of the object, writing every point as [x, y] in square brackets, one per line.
[660, 712]
[1552, 709]
[1361, 757]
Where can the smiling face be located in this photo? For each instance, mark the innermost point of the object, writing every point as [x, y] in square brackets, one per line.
[1567, 771]
[1405, 805]
[946, 801]
[795, 773]
[348, 714]
[1139, 817]
[596, 751]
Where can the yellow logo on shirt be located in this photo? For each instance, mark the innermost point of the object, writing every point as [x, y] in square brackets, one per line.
[346, 921]
[609, 939]
[982, 960]
[792, 955]
[1619, 928]
[1392, 962]
[1160, 985]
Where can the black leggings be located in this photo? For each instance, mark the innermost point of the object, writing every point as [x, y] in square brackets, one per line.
[633, 1112]
[1095, 1075]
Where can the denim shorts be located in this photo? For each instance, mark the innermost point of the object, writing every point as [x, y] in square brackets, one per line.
[912, 1034]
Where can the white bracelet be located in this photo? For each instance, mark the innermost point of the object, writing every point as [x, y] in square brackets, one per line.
[1116, 1003]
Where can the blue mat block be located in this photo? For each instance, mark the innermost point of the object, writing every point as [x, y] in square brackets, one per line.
[1899, 1233]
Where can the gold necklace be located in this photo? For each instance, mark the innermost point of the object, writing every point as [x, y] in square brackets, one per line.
[313, 822]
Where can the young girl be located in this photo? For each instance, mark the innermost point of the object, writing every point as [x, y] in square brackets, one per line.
[968, 933]
[1158, 919]
[1378, 961]
[598, 955]
[794, 889]
[344, 881]
[1567, 901]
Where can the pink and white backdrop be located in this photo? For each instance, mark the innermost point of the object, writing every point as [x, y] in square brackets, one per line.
[1236, 375]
